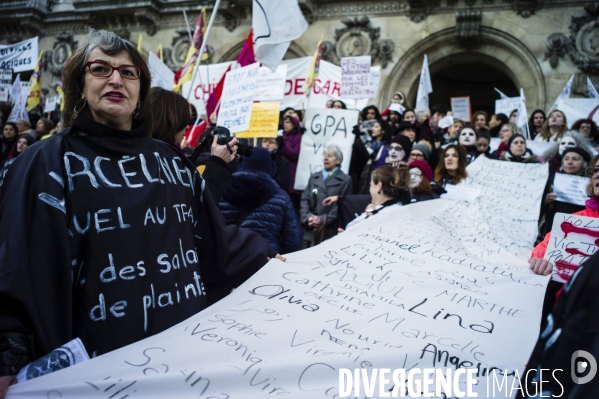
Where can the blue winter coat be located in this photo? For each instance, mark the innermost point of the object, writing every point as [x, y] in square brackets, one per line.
[272, 215]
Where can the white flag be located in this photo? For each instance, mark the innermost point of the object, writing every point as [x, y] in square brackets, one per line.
[425, 87]
[15, 90]
[592, 91]
[564, 94]
[275, 24]
[19, 111]
[522, 118]
[502, 96]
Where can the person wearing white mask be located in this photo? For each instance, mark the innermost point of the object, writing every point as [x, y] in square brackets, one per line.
[570, 139]
[467, 139]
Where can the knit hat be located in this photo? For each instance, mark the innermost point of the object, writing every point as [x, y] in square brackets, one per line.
[404, 142]
[259, 160]
[511, 140]
[585, 155]
[422, 148]
[424, 167]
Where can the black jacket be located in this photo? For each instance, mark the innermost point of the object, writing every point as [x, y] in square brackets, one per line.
[113, 238]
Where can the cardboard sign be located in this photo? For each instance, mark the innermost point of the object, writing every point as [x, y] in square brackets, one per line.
[51, 103]
[264, 121]
[270, 86]
[355, 77]
[236, 103]
[571, 189]
[323, 126]
[407, 288]
[20, 56]
[162, 76]
[460, 106]
[507, 106]
[573, 241]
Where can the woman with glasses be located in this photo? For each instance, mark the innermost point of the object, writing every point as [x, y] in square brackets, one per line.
[591, 209]
[588, 128]
[506, 131]
[114, 238]
[421, 181]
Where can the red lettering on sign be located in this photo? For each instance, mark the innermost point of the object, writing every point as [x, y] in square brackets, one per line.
[299, 86]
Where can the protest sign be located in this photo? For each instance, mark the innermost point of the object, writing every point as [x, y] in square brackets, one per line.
[264, 121]
[270, 86]
[579, 108]
[507, 105]
[405, 289]
[324, 126]
[20, 56]
[51, 102]
[374, 81]
[446, 121]
[571, 189]
[236, 102]
[162, 76]
[6, 77]
[206, 79]
[400, 109]
[4, 92]
[573, 240]
[461, 109]
[355, 76]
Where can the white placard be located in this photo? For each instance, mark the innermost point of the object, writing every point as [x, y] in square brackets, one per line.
[6, 77]
[397, 108]
[380, 295]
[571, 189]
[270, 86]
[374, 81]
[446, 121]
[355, 76]
[323, 126]
[205, 82]
[69, 354]
[20, 56]
[4, 92]
[50, 104]
[507, 105]
[237, 99]
[162, 76]
[461, 109]
[572, 242]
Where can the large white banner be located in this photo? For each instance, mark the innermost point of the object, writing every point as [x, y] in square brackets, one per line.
[204, 83]
[162, 76]
[20, 56]
[579, 108]
[324, 126]
[435, 284]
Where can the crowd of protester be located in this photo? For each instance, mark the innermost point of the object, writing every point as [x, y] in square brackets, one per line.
[399, 156]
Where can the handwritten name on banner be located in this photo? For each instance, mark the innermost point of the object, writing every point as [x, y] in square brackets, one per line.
[404, 289]
[572, 242]
[237, 99]
[323, 126]
[355, 75]
[20, 56]
[571, 189]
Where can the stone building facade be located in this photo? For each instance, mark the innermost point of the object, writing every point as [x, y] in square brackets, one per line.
[472, 45]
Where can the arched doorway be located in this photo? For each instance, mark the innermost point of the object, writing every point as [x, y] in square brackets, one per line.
[473, 75]
[497, 51]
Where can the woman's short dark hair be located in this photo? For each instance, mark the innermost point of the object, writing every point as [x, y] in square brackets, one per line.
[48, 124]
[170, 114]
[395, 182]
[343, 106]
[594, 133]
[14, 126]
[74, 72]
[377, 113]
[502, 118]
[483, 113]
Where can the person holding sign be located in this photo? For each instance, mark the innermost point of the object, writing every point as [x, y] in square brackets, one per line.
[114, 238]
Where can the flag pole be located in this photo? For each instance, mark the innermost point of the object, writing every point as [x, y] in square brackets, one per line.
[188, 28]
[203, 46]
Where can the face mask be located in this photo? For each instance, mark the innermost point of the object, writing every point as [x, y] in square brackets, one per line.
[567, 142]
[396, 152]
[415, 178]
[467, 137]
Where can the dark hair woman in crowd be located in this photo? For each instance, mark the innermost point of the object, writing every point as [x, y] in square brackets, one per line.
[9, 138]
[517, 151]
[452, 166]
[292, 140]
[338, 104]
[23, 141]
[388, 186]
[43, 127]
[253, 200]
[480, 119]
[421, 176]
[588, 128]
[105, 167]
[497, 120]
[535, 122]
[409, 115]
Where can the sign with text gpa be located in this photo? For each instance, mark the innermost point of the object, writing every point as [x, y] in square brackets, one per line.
[324, 126]
[574, 239]
[237, 99]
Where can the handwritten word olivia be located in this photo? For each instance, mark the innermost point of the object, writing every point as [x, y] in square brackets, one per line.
[275, 292]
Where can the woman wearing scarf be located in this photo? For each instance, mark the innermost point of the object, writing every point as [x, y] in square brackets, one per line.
[517, 151]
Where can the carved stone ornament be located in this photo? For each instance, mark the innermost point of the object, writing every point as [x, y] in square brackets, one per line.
[467, 27]
[582, 46]
[232, 15]
[55, 59]
[358, 38]
[174, 57]
[420, 9]
[524, 8]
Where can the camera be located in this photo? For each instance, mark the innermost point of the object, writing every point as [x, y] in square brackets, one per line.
[244, 146]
